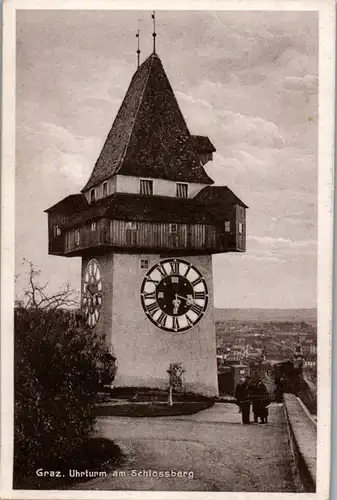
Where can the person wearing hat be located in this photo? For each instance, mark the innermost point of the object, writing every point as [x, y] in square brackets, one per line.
[243, 400]
[260, 399]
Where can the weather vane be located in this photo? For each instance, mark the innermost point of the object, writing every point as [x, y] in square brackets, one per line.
[154, 34]
[138, 49]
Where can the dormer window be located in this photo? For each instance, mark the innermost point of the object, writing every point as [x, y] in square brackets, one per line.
[146, 186]
[92, 195]
[182, 190]
[105, 189]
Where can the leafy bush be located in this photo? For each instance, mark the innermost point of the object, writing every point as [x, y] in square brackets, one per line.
[60, 365]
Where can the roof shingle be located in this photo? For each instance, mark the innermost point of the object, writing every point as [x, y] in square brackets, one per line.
[219, 196]
[133, 207]
[149, 137]
[70, 204]
[203, 144]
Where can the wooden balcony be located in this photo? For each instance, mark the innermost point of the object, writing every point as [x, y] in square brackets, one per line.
[212, 222]
[148, 237]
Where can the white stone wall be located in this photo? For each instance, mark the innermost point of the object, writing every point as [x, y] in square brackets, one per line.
[111, 189]
[144, 352]
[161, 187]
[131, 184]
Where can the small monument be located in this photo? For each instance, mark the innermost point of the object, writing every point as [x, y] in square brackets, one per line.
[175, 379]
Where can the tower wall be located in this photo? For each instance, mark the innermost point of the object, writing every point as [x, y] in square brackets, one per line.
[144, 352]
[161, 187]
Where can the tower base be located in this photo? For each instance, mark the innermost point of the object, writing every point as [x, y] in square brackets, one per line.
[144, 352]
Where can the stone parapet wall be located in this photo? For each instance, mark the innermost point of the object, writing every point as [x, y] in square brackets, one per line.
[303, 441]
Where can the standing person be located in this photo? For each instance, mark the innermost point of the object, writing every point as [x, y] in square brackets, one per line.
[242, 399]
[253, 395]
[260, 399]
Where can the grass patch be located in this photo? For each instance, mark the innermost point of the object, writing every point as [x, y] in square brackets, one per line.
[152, 409]
[147, 394]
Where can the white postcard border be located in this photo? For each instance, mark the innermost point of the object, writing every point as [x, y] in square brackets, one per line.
[325, 233]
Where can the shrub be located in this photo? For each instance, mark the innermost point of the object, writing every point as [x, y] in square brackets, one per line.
[60, 364]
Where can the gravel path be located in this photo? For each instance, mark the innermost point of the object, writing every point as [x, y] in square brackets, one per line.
[212, 446]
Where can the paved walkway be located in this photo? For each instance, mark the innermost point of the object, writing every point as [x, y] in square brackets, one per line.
[212, 446]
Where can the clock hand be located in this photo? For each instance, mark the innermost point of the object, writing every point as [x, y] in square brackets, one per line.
[176, 303]
[189, 299]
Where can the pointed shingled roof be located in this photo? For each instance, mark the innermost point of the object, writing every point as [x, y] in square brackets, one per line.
[149, 137]
[218, 196]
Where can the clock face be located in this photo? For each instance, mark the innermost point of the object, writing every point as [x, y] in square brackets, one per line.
[174, 295]
[92, 296]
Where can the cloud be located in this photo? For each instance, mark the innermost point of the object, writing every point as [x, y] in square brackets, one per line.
[192, 100]
[252, 130]
[233, 126]
[63, 151]
[267, 240]
[262, 258]
[248, 80]
[266, 247]
[308, 82]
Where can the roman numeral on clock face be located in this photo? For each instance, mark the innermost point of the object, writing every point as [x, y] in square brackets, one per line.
[162, 271]
[196, 281]
[196, 309]
[189, 321]
[187, 271]
[150, 280]
[174, 267]
[151, 295]
[162, 319]
[152, 308]
[175, 324]
[200, 295]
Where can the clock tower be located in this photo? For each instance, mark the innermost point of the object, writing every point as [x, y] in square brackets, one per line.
[146, 225]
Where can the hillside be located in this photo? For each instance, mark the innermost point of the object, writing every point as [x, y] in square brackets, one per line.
[294, 315]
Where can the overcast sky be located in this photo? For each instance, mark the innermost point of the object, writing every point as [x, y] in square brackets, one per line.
[248, 80]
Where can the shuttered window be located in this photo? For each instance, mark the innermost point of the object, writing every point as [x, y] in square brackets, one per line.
[131, 237]
[131, 233]
[144, 263]
[182, 190]
[57, 231]
[146, 186]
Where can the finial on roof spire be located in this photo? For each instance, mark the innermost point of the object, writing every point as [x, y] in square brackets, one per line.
[154, 34]
[138, 49]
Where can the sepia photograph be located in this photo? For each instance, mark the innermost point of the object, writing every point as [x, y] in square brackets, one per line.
[172, 249]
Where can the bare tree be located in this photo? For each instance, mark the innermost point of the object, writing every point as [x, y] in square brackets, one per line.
[37, 297]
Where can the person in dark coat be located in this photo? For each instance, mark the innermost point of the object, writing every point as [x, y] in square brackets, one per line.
[242, 399]
[260, 399]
